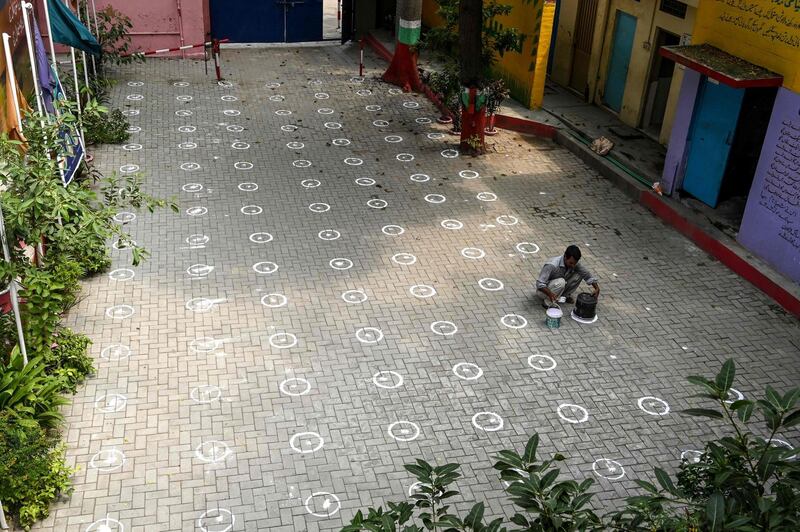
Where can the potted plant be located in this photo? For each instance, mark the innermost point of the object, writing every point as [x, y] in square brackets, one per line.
[496, 92]
[445, 85]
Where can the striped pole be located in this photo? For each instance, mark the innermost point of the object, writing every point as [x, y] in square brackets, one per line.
[177, 48]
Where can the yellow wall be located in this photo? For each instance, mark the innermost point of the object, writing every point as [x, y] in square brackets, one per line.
[764, 32]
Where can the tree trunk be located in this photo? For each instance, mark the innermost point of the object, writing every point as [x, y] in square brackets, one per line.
[402, 70]
[473, 104]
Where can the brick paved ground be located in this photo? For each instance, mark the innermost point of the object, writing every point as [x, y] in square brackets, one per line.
[212, 403]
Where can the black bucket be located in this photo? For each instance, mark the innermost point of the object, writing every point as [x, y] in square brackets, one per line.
[585, 306]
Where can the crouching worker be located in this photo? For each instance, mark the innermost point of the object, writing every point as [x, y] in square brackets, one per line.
[560, 276]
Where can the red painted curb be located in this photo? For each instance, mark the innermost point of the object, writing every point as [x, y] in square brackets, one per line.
[721, 252]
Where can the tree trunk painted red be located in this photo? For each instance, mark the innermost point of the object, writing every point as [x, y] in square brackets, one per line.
[473, 124]
[402, 70]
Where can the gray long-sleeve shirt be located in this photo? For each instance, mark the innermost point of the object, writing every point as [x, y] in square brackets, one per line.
[556, 269]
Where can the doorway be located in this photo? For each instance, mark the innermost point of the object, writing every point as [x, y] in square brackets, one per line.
[266, 21]
[332, 19]
[621, 48]
[582, 51]
[658, 85]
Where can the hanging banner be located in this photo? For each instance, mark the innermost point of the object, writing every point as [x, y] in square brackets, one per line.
[11, 22]
[72, 150]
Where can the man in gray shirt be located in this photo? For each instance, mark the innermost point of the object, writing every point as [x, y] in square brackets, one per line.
[561, 276]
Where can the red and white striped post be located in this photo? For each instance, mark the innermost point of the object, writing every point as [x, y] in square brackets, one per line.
[361, 60]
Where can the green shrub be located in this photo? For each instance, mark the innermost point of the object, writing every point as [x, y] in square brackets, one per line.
[68, 360]
[32, 469]
[101, 126]
[27, 393]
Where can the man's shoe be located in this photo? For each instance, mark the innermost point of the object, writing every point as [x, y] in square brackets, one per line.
[570, 300]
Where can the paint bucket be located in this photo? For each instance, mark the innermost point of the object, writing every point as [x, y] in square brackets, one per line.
[553, 319]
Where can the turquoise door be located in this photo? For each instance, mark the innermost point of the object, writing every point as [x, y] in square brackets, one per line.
[624, 29]
[716, 112]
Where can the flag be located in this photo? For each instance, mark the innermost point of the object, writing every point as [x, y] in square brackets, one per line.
[13, 126]
[67, 29]
[43, 70]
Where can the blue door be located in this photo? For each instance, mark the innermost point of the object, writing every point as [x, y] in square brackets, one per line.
[246, 21]
[711, 132]
[617, 75]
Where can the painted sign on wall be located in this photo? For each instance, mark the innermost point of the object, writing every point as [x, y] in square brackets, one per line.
[771, 224]
[764, 32]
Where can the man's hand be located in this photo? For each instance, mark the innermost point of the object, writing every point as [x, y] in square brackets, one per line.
[596, 290]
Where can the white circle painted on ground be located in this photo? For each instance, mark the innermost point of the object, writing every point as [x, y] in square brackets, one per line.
[329, 234]
[107, 524]
[231, 112]
[110, 402]
[283, 112]
[132, 147]
[199, 270]
[341, 142]
[422, 291]
[393, 138]
[134, 97]
[192, 187]
[733, 396]
[357, 79]
[216, 520]
[205, 394]
[131, 112]
[392, 230]
[404, 157]
[423, 120]
[487, 196]
[243, 165]
[107, 460]
[129, 168]
[273, 85]
[354, 296]
[404, 259]
[354, 161]
[527, 247]
[205, 344]
[301, 163]
[295, 386]
[491, 284]
[376, 203]
[184, 112]
[116, 352]
[277, 98]
[473, 253]
[197, 240]
[467, 371]
[363, 92]
[321, 95]
[260, 238]
[239, 145]
[411, 105]
[404, 430]
[488, 421]
[387, 379]
[212, 451]
[507, 219]
[542, 362]
[202, 304]
[369, 335]
[444, 328]
[435, 198]
[250, 210]
[783, 444]
[124, 217]
[450, 154]
[228, 98]
[373, 108]
[395, 91]
[187, 129]
[310, 183]
[325, 111]
[248, 187]
[289, 128]
[333, 125]
[181, 84]
[120, 312]
[608, 469]
[453, 225]
[420, 178]
[134, 129]
[190, 167]
[653, 406]
[365, 181]
[380, 123]
[691, 456]
[306, 442]
[322, 504]
[283, 340]
[435, 135]
[340, 263]
[274, 300]
[184, 98]
[469, 174]
[121, 274]
[119, 244]
[514, 321]
[265, 267]
[319, 207]
[225, 83]
[234, 128]
[572, 413]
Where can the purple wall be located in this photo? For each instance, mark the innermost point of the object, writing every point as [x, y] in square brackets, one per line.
[771, 224]
[675, 160]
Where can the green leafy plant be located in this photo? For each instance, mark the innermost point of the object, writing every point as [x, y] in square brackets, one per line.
[67, 360]
[114, 35]
[27, 393]
[101, 126]
[742, 482]
[33, 470]
[496, 93]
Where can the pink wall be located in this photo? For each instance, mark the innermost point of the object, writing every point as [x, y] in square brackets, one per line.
[158, 23]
